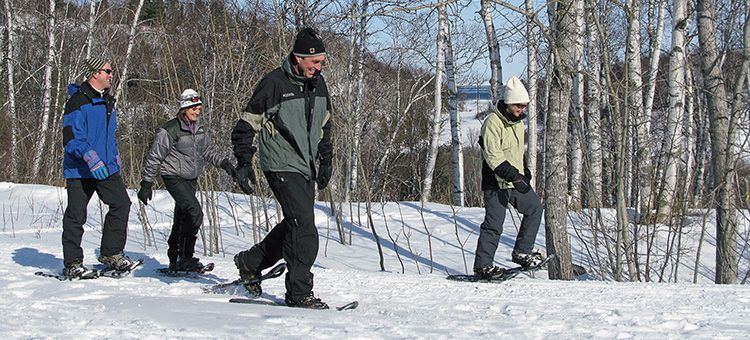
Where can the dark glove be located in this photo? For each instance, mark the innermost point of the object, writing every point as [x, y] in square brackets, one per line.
[520, 184]
[324, 176]
[244, 174]
[145, 193]
[229, 168]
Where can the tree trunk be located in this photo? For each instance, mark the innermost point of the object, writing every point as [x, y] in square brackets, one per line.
[10, 64]
[593, 111]
[90, 27]
[556, 142]
[432, 152]
[576, 145]
[722, 153]
[47, 92]
[531, 110]
[455, 119]
[496, 68]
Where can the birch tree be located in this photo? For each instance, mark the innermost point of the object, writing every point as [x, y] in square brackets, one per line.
[355, 91]
[593, 109]
[90, 28]
[531, 110]
[493, 46]
[455, 119]
[556, 165]
[47, 91]
[576, 150]
[671, 145]
[722, 153]
[437, 112]
[10, 60]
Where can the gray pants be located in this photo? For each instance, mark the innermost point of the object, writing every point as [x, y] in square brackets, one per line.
[495, 204]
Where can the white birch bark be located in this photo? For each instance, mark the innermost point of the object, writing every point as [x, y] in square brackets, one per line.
[10, 64]
[496, 68]
[131, 42]
[357, 71]
[593, 110]
[531, 110]
[722, 139]
[672, 145]
[576, 146]
[437, 112]
[46, 92]
[556, 165]
[455, 119]
[643, 178]
[90, 27]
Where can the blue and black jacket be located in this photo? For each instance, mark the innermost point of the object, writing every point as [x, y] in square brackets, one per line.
[89, 130]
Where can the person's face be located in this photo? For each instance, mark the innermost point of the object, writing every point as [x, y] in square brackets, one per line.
[102, 79]
[307, 66]
[193, 113]
[517, 109]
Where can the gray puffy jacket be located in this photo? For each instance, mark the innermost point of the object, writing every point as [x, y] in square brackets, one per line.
[177, 151]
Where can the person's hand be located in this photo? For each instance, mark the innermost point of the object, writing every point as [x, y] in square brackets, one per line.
[324, 176]
[245, 174]
[229, 168]
[145, 193]
[96, 166]
[520, 184]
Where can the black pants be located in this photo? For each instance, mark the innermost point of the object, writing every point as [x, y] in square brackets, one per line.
[495, 204]
[113, 193]
[295, 239]
[188, 217]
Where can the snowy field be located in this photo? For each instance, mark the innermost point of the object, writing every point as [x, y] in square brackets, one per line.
[407, 300]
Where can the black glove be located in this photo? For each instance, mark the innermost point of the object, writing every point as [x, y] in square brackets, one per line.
[229, 168]
[520, 184]
[145, 193]
[244, 174]
[324, 176]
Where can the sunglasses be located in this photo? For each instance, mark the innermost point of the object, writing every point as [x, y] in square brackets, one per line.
[193, 99]
[106, 70]
[521, 106]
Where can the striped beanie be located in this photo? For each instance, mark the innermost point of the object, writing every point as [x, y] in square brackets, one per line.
[93, 65]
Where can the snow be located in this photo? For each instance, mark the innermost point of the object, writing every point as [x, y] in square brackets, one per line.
[417, 303]
[470, 125]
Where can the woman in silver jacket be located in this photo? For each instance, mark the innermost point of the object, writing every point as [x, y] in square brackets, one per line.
[179, 151]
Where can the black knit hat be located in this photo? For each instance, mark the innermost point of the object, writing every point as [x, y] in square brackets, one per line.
[308, 44]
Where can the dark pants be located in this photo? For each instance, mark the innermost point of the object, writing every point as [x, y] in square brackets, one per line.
[113, 193]
[188, 217]
[495, 204]
[295, 238]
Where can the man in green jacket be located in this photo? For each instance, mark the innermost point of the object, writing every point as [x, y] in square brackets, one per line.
[289, 110]
[505, 179]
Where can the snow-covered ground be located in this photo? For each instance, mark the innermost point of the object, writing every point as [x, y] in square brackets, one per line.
[404, 301]
[470, 125]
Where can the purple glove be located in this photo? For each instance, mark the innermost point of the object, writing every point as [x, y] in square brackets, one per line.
[96, 166]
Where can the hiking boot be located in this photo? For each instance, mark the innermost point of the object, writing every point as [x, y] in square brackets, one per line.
[78, 271]
[308, 301]
[490, 272]
[118, 261]
[247, 274]
[192, 264]
[528, 259]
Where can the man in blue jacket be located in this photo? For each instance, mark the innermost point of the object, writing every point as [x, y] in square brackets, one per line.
[92, 164]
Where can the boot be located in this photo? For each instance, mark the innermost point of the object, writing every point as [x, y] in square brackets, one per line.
[117, 261]
[526, 260]
[78, 271]
[192, 264]
[490, 272]
[247, 274]
[308, 301]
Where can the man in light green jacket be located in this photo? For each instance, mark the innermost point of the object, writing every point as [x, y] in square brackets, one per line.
[505, 179]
